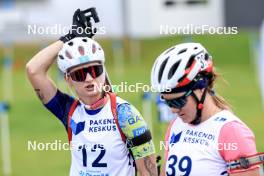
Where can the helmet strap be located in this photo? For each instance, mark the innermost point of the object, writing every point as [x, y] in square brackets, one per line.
[199, 107]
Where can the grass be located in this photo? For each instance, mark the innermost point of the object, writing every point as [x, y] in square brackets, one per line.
[29, 120]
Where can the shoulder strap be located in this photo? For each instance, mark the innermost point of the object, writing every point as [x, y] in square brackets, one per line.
[114, 112]
[72, 109]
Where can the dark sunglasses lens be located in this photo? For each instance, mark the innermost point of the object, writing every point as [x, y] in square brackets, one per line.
[176, 103]
[80, 75]
[181, 102]
[97, 70]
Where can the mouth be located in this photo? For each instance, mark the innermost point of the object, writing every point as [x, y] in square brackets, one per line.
[89, 87]
[181, 115]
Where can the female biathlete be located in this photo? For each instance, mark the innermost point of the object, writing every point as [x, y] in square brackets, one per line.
[107, 134]
[206, 139]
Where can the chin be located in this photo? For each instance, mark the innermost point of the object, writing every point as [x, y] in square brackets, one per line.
[185, 120]
[92, 93]
[86, 93]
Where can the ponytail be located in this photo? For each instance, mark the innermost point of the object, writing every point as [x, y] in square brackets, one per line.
[219, 101]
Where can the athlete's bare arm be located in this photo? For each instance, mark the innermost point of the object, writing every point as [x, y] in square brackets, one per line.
[147, 166]
[37, 69]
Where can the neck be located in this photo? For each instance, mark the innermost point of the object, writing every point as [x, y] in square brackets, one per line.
[209, 108]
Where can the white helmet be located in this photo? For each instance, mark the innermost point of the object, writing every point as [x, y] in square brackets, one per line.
[78, 51]
[179, 65]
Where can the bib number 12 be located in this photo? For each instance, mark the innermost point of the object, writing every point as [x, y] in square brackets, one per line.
[96, 162]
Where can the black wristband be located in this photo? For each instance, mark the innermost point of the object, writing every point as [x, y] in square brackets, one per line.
[139, 140]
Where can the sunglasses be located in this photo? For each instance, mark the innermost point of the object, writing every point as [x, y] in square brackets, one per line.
[80, 74]
[179, 102]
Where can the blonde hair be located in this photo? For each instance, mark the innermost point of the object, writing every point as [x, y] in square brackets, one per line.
[219, 101]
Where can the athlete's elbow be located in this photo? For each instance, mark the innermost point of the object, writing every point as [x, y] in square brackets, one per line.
[31, 69]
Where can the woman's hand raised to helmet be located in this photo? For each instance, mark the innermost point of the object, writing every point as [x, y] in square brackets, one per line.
[81, 25]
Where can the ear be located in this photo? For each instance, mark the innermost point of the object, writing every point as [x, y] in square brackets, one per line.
[68, 80]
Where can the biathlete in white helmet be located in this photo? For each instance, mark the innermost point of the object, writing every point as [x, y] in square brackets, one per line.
[206, 139]
[108, 135]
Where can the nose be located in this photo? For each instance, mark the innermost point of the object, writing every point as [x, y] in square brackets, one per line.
[88, 78]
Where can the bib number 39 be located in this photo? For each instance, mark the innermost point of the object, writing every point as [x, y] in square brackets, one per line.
[175, 164]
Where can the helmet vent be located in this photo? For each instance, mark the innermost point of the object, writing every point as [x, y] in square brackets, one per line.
[190, 62]
[206, 56]
[81, 50]
[61, 57]
[182, 51]
[169, 50]
[70, 43]
[93, 48]
[162, 68]
[68, 55]
[195, 47]
[84, 40]
[173, 69]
